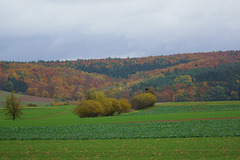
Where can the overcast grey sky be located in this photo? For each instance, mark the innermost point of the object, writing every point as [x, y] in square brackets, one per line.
[89, 29]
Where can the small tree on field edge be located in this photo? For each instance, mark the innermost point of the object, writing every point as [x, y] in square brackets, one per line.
[12, 107]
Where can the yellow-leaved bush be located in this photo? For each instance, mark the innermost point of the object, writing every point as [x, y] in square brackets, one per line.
[97, 104]
[143, 100]
[89, 108]
[124, 105]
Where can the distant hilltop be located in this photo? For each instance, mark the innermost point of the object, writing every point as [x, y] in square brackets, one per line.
[179, 77]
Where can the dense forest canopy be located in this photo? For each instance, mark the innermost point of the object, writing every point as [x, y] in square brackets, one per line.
[180, 77]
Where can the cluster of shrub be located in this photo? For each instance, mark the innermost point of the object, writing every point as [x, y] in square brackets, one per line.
[32, 105]
[97, 104]
[58, 103]
[143, 100]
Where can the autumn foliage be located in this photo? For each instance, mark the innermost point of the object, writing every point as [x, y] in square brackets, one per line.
[89, 108]
[179, 77]
[124, 105]
[97, 104]
[143, 100]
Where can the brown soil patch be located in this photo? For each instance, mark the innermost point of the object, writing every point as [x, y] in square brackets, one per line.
[36, 99]
[187, 120]
[196, 109]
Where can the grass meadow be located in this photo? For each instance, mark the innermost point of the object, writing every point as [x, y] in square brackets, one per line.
[183, 130]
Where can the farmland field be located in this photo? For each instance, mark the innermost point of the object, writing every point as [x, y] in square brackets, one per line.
[174, 148]
[55, 116]
[25, 99]
[180, 129]
[189, 130]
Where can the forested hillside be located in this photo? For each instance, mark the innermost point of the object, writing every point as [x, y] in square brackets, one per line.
[122, 68]
[57, 82]
[180, 77]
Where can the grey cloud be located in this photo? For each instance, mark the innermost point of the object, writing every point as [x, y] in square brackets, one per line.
[61, 29]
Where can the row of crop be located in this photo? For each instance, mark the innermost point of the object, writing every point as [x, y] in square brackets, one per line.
[181, 109]
[180, 129]
[179, 148]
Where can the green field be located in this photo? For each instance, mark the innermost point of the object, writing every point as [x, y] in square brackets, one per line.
[55, 116]
[181, 129]
[187, 130]
[174, 148]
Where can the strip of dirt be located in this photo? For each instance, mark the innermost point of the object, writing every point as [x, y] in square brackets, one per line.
[36, 99]
[187, 120]
[196, 109]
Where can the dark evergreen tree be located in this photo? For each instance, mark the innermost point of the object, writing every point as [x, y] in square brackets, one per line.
[215, 94]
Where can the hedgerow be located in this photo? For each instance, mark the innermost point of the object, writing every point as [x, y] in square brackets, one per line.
[97, 104]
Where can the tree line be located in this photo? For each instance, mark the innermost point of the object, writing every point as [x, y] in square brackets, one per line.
[117, 67]
[12, 84]
[126, 68]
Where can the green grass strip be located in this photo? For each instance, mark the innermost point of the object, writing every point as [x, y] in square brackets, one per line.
[202, 103]
[66, 117]
[175, 148]
[182, 109]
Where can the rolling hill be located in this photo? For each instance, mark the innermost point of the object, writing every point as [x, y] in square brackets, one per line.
[180, 77]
